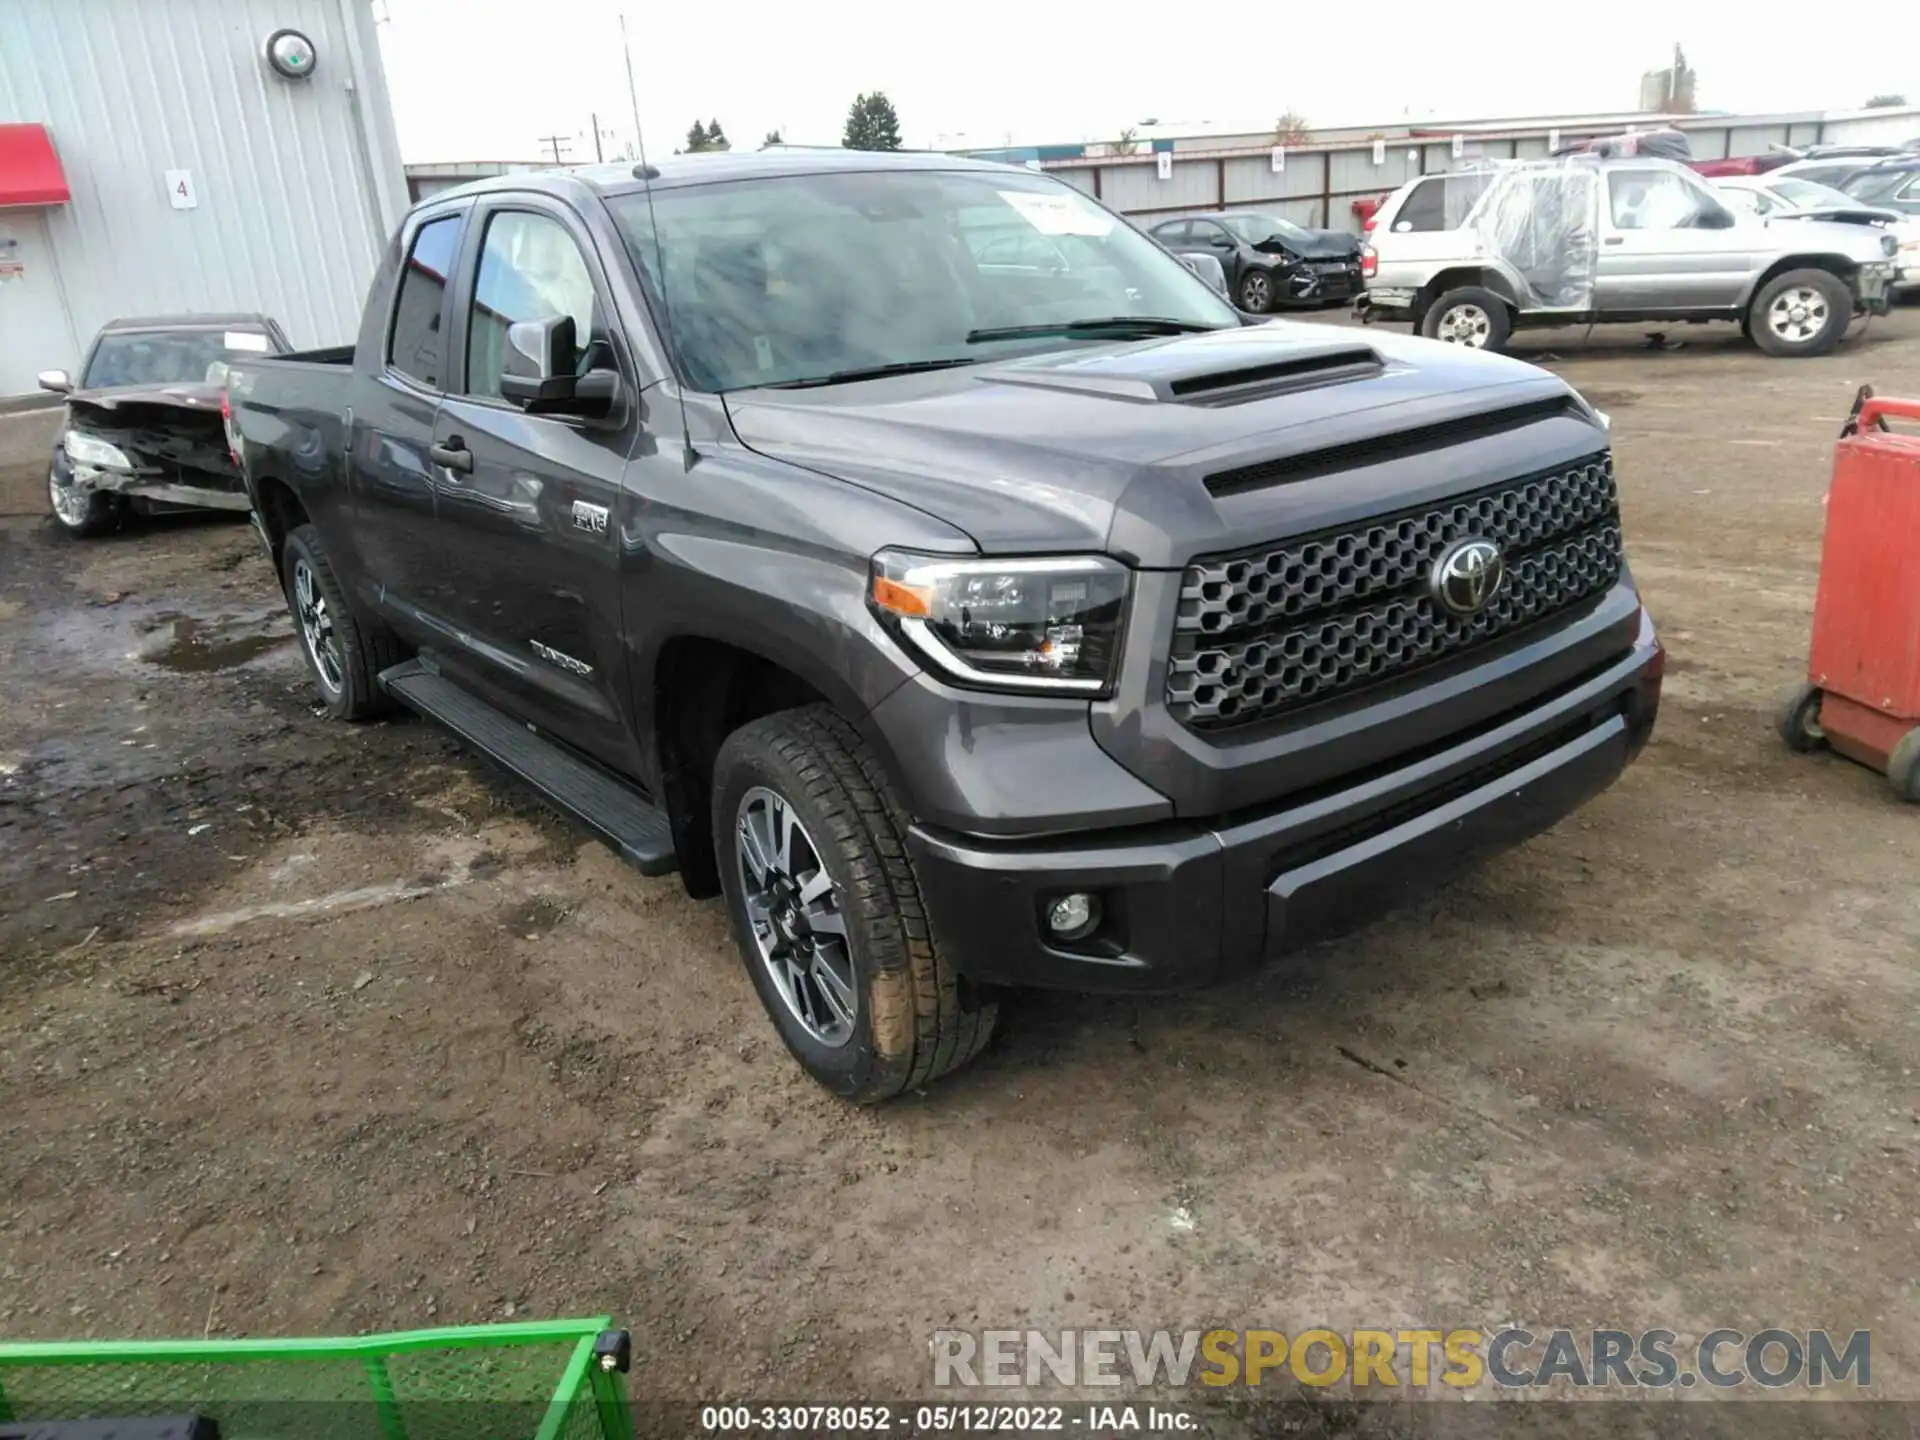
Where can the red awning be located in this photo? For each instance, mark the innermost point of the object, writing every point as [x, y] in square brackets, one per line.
[30, 172]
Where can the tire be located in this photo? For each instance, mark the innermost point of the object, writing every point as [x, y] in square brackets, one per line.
[1470, 316]
[1256, 293]
[1903, 767]
[1799, 720]
[1822, 302]
[79, 514]
[344, 653]
[902, 1017]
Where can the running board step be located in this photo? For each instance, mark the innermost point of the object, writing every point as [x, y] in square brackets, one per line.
[605, 804]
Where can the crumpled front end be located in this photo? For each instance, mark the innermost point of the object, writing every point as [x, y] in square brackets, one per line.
[169, 454]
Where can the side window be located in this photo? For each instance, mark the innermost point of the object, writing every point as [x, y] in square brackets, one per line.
[414, 344]
[1653, 200]
[1747, 202]
[1424, 208]
[1174, 232]
[530, 269]
[1212, 235]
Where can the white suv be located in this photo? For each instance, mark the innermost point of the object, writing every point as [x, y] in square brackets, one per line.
[1470, 257]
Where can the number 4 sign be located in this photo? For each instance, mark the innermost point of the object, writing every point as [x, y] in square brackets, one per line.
[180, 191]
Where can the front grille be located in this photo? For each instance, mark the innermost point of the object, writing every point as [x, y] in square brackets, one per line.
[1261, 632]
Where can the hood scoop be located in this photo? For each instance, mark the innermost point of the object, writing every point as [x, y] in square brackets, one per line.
[1308, 371]
[1223, 368]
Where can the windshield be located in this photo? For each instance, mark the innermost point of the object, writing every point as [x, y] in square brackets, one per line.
[1809, 195]
[1255, 228]
[167, 357]
[776, 281]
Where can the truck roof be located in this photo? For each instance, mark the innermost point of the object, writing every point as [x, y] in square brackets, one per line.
[676, 170]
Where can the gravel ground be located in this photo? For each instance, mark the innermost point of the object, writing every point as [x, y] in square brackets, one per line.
[310, 1028]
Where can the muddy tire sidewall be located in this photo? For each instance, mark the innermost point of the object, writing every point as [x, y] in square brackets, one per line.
[355, 693]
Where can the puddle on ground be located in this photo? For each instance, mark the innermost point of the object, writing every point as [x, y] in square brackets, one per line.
[196, 647]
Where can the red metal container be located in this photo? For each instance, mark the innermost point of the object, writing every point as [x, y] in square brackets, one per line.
[1862, 695]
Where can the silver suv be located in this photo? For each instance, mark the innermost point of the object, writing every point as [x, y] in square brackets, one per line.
[1470, 257]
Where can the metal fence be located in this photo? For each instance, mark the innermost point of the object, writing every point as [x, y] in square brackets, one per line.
[1317, 185]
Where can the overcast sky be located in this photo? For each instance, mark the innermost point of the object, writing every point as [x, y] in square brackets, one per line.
[486, 79]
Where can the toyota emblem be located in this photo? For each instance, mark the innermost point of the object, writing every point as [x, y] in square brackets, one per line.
[1468, 576]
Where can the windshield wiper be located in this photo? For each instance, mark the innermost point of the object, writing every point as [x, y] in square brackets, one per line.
[1117, 325]
[871, 372]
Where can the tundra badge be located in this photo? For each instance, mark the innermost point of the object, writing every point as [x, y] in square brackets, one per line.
[560, 658]
[591, 518]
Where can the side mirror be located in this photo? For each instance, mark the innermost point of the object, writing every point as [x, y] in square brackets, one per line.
[538, 366]
[1208, 269]
[538, 372]
[58, 381]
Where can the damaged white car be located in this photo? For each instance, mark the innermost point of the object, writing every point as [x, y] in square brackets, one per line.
[144, 431]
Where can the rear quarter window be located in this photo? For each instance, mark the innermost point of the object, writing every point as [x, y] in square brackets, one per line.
[415, 346]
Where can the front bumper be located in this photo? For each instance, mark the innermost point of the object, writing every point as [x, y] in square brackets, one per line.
[1374, 304]
[163, 486]
[1195, 903]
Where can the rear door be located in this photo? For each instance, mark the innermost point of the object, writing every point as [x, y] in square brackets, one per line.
[1666, 243]
[393, 477]
[528, 520]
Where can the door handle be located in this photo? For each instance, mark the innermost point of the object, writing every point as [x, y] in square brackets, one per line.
[1614, 240]
[454, 455]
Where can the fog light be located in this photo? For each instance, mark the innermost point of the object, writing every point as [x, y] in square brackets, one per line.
[1074, 917]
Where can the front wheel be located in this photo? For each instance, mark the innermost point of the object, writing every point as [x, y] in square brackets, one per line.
[79, 513]
[1256, 292]
[1470, 316]
[810, 841]
[1903, 766]
[1803, 312]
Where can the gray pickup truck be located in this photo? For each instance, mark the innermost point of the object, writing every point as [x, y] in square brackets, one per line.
[1471, 257]
[966, 626]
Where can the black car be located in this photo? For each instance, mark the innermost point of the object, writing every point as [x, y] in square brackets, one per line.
[143, 431]
[1271, 262]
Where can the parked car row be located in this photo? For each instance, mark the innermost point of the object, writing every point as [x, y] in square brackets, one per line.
[1469, 258]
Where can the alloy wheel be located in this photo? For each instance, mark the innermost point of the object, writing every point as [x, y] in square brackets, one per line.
[793, 910]
[1466, 325]
[316, 626]
[1798, 315]
[73, 505]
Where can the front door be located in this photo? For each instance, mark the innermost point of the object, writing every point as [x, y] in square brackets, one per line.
[1667, 244]
[529, 514]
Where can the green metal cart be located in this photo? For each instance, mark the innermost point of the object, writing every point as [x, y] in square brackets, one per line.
[544, 1380]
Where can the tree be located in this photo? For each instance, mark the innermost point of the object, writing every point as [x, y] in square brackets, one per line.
[716, 137]
[1886, 102]
[773, 138]
[871, 124]
[1290, 129]
[1128, 142]
[701, 138]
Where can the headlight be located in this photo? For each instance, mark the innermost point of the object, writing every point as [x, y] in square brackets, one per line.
[89, 450]
[1043, 625]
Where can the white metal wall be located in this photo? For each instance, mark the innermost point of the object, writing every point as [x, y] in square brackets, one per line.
[299, 184]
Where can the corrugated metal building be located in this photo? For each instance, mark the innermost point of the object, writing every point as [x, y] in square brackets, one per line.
[197, 175]
[1316, 178]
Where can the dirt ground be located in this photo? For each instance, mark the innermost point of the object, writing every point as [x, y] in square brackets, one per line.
[310, 1028]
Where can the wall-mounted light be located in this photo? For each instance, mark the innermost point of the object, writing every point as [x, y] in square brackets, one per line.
[291, 54]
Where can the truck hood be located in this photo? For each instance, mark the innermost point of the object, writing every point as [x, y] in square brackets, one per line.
[1160, 450]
